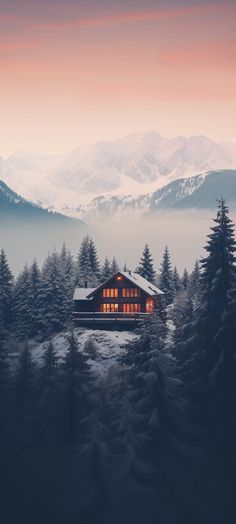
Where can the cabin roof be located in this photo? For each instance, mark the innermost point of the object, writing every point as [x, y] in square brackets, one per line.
[141, 282]
[81, 293]
[134, 278]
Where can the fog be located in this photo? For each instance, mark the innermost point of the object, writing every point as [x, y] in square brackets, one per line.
[184, 232]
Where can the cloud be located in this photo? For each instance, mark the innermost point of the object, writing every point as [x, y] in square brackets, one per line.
[128, 17]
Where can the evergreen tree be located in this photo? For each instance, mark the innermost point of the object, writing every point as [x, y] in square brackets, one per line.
[34, 292]
[145, 268]
[176, 281]
[166, 282]
[195, 283]
[106, 271]
[86, 273]
[125, 267]
[77, 382]
[23, 303]
[52, 296]
[185, 279]
[206, 342]
[114, 266]
[95, 265]
[6, 294]
[68, 272]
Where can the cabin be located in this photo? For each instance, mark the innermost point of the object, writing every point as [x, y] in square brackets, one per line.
[119, 302]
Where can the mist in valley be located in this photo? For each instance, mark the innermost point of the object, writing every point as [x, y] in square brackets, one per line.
[124, 237]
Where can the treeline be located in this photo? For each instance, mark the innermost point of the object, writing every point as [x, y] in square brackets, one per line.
[39, 301]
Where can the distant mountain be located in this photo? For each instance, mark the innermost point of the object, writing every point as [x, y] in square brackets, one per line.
[136, 164]
[198, 192]
[15, 208]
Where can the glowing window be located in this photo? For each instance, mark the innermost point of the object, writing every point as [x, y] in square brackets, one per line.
[132, 292]
[110, 293]
[131, 308]
[109, 308]
[149, 305]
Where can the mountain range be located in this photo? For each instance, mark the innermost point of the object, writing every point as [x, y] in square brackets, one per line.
[197, 192]
[136, 165]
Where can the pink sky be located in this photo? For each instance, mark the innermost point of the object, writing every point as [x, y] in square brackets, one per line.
[72, 74]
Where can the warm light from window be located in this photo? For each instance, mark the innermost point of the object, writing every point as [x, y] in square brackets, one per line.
[149, 305]
[131, 308]
[110, 293]
[130, 292]
[119, 277]
[109, 308]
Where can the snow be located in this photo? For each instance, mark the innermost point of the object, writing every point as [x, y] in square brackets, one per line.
[136, 164]
[111, 345]
[81, 293]
[142, 283]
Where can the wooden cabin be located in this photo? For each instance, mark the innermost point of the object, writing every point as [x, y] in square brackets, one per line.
[119, 302]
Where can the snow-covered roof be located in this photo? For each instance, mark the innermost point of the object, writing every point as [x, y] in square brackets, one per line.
[81, 293]
[142, 283]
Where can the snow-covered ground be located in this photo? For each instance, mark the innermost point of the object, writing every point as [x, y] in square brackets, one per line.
[110, 345]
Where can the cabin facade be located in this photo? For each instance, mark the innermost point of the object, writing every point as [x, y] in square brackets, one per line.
[121, 302]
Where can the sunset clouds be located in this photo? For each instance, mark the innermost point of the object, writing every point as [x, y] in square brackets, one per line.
[72, 71]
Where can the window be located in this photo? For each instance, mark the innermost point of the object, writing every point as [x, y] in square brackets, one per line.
[131, 308]
[110, 293]
[109, 308]
[149, 305]
[130, 292]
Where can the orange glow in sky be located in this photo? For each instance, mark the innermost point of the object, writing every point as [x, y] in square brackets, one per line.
[73, 73]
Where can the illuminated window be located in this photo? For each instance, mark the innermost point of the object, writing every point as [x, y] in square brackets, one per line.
[109, 308]
[132, 292]
[110, 293]
[131, 308]
[149, 305]
[119, 277]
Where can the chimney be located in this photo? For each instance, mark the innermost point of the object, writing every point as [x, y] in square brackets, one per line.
[129, 273]
[85, 284]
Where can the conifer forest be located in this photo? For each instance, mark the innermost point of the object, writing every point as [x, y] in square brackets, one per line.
[136, 428]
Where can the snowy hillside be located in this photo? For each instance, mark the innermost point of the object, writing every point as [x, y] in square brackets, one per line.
[136, 164]
[109, 347]
[199, 192]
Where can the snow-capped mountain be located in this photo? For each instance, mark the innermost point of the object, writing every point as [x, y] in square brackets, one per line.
[134, 165]
[198, 192]
[15, 208]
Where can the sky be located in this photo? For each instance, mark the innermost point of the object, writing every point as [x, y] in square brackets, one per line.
[73, 72]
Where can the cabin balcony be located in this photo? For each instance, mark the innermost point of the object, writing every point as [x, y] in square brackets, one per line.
[114, 320]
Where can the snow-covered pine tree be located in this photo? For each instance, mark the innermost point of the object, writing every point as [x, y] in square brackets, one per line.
[206, 342]
[166, 277]
[77, 395]
[195, 283]
[4, 385]
[185, 279]
[68, 271]
[95, 264]
[50, 396]
[52, 296]
[176, 281]
[26, 386]
[6, 293]
[86, 273]
[106, 271]
[34, 291]
[23, 303]
[114, 266]
[145, 268]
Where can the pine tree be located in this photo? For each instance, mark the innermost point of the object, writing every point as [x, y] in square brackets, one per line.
[208, 347]
[95, 264]
[68, 272]
[86, 273]
[166, 282]
[77, 382]
[52, 296]
[114, 266]
[34, 292]
[195, 282]
[6, 294]
[185, 279]
[145, 268]
[106, 271]
[176, 281]
[23, 303]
